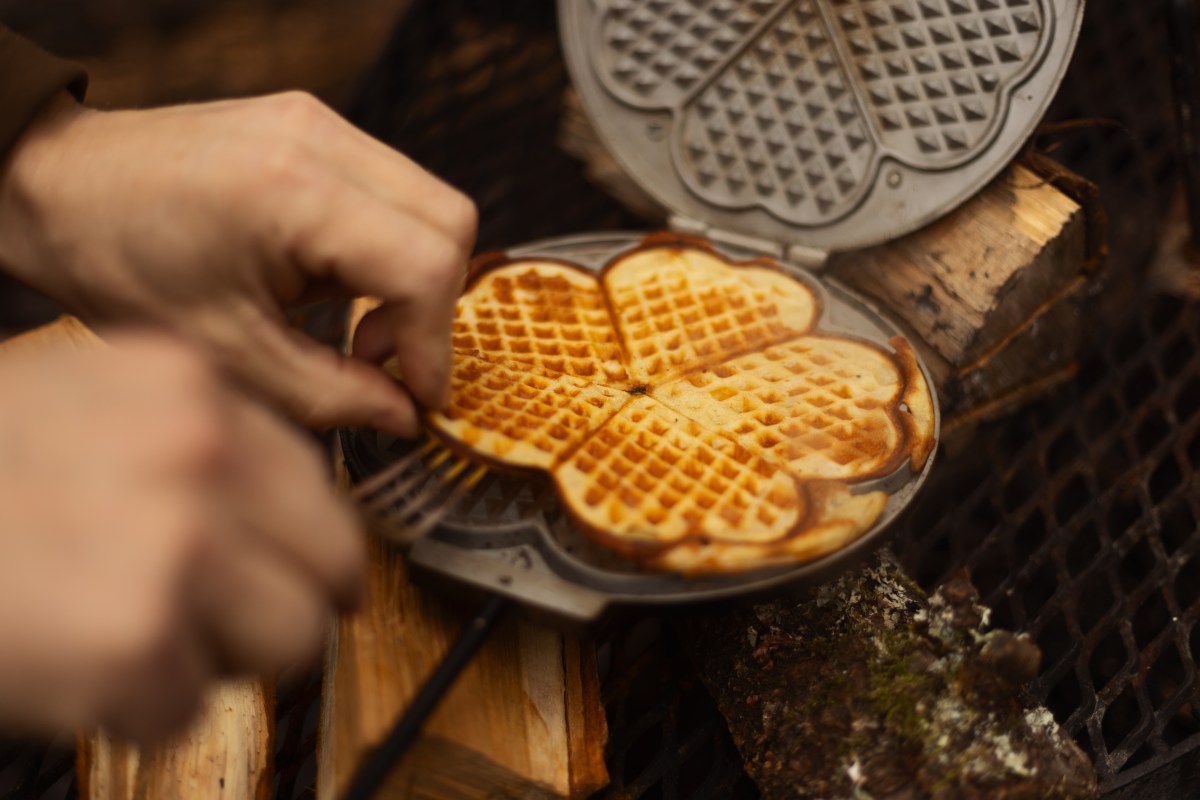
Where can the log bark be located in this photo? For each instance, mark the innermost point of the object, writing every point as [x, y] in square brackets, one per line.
[869, 689]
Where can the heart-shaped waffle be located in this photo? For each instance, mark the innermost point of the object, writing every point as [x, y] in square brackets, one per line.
[688, 414]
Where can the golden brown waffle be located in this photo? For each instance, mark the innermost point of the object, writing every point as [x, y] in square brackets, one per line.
[542, 313]
[680, 309]
[519, 416]
[688, 416]
[836, 518]
[826, 407]
[650, 478]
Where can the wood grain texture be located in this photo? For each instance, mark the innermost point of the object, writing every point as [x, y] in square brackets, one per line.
[527, 708]
[524, 719]
[228, 751]
[65, 332]
[965, 282]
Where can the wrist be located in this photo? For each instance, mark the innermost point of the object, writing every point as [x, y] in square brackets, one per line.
[30, 176]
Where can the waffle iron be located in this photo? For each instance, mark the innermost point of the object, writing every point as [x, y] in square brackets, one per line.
[784, 128]
[508, 533]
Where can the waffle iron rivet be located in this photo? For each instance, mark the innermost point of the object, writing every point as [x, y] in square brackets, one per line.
[894, 179]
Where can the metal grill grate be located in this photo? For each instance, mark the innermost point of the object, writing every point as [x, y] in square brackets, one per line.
[1079, 521]
[667, 739]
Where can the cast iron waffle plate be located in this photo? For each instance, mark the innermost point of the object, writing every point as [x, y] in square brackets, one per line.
[830, 124]
[510, 534]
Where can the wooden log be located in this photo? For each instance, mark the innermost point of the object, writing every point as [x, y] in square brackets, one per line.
[525, 718]
[227, 753]
[525, 714]
[966, 281]
[870, 689]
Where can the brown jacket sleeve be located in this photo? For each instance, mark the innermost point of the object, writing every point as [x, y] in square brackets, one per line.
[29, 76]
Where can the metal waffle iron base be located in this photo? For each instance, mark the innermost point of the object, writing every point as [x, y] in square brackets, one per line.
[508, 534]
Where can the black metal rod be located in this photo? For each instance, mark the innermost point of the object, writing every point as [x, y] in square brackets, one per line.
[384, 758]
[1185, 76]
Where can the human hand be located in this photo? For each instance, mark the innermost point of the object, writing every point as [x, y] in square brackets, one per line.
[157, 530]
[210, 219]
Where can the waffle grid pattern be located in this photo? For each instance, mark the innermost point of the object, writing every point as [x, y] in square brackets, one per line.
[933, 69]
[648, 465]
[632, 468]
[523, 417]
[780, 126]
[663, 49]
[790, 105]
[809, 403]
[545, 317]
[682, 317]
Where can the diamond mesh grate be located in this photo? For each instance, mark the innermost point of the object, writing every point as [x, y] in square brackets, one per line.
[667, 738]
[1080, 522]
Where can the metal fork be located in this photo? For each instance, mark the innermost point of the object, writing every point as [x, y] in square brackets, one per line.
[409, 498]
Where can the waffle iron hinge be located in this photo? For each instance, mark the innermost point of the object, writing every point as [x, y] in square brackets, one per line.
[807, 257]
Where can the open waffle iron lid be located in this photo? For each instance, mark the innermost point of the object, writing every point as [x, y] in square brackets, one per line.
[815, 125]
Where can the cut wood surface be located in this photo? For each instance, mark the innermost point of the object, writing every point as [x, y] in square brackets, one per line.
[965, 282]
[525, 713]
[227, 753]
[524, 719]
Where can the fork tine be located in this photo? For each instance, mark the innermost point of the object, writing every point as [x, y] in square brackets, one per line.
[389, 494]
[431, 517]
[415, 502]
[386, 476]
[420, 506]
[394, 493]
[422, 511]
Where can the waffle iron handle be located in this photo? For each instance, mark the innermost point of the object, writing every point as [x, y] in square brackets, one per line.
[518, 573]
[384, 758]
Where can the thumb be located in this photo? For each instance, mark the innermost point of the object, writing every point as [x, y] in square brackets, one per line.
[322, 388]
[376, 339]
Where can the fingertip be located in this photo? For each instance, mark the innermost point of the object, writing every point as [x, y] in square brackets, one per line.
[374, 337]
[399, 419]
[427, 371]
